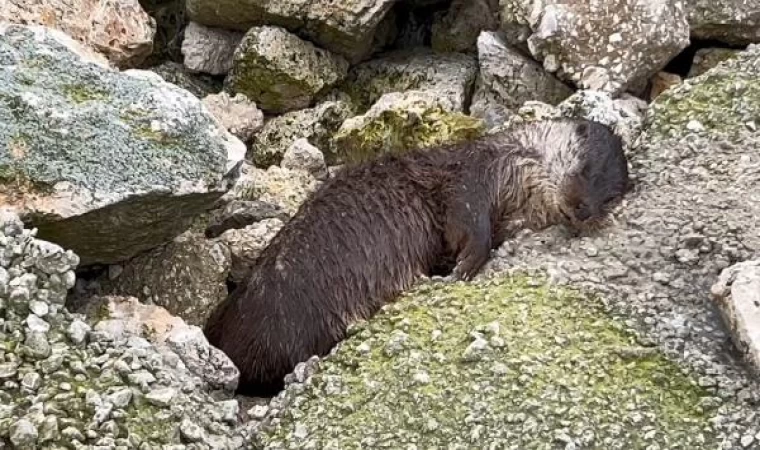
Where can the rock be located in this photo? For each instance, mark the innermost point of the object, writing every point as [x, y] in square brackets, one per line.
[121, 317]
[199, 85]
[301, 155]
[661, 82]
[124, 143]
[209, 50]
[161, 397]
[77, 331]
[246, 244]
[348, 30]
[403, 121]
[283, 188]
[457, 29]
[120, 30]
[237, 114]
[240, 213]
[737, 294]
[707, 58]
[281, 72]
[507, 79]
[23, 433]
[317, 125]
[734, 22]
[447, 75]
[493, 406]
[601, 46]
[186, 277]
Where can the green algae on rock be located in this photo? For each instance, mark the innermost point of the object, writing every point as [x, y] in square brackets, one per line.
[500, 363]
[403, 121]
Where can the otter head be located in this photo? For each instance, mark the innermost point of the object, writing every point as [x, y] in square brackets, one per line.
[597, 179]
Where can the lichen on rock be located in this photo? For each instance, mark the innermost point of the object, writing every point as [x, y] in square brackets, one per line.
[515, 362]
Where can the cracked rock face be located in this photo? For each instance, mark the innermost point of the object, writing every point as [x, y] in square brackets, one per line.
[282, 72]
[507, 79]
[106, 163]
[347, 30]
[601, 45]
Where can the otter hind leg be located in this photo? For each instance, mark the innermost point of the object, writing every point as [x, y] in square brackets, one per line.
[469, 235]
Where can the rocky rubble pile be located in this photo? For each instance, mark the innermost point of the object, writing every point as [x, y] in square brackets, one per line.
[73, 380]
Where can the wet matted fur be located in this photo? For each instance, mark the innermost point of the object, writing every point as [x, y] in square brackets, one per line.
[366, 235]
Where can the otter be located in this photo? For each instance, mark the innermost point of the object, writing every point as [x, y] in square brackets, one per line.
[369, 232]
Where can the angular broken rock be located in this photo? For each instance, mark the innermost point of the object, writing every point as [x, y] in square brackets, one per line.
[317, 125]
[735, 22]
[236, 113]
[209, 50]
[301, 155]
[602, 45]
[737, 294]
[403, 121]
[507, 79]
[280, 71]
[246, 244]
[108, 164]
[707, 58]
[122, 317]
[348, 29]
[240, 213]
[447, 75]
[118, 29]
[186, 277]
[285, 189]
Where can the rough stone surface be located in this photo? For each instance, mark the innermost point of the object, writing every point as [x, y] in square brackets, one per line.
[518, 365]
[317, 125]
[348, 30]
[457, 29]
[301, 155]
[237, 114]
[209, 50]
[106, 163]
[707, 58]
[246, 243]
[731, 21]
[283, 188]
[241, 213]
[94, 385]
[280, 71]
[447, 75]
[661, 82]
[737, 294]
[403, 121]
[185, 276]
[118, 29]
[602, 45]
[507, 79]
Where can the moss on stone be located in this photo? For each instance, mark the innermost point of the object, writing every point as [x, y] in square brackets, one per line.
[396, 131]
[80, 93]
[502, 363]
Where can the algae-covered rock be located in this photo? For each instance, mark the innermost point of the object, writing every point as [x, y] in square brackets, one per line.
[346, 28]
[731, 21]
[502, 363]
[707, 58]
[283, 189]
[403, 121]
[317, 125]
[106, 163]
[280, 71]
[447, 75]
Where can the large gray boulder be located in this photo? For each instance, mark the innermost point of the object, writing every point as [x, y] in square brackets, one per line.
[282, 72]
[108, 164]
[347, 29]
[601, 45]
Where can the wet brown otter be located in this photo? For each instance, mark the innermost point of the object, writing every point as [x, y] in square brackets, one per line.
[369, 232]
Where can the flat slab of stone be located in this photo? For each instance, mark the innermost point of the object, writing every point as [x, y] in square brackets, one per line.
[106, 163]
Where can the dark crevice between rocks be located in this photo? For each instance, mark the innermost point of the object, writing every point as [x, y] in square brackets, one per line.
[415, 24]
[170, 30]
[681, 64]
